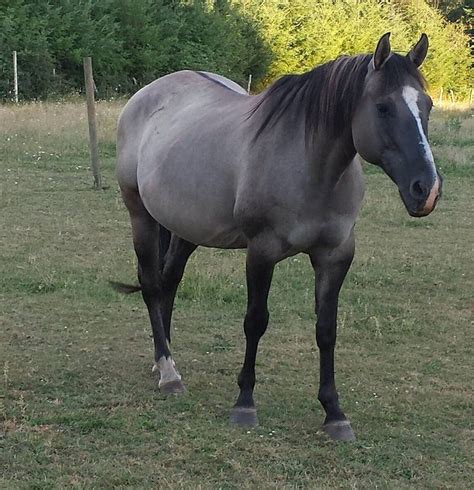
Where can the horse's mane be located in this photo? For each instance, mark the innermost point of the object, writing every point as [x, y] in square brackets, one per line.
[327, 95]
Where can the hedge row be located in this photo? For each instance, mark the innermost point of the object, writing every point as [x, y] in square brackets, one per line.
[135, 41]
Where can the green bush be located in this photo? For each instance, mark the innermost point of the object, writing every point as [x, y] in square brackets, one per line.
[27, 34]
[133, 42]
[304, 33]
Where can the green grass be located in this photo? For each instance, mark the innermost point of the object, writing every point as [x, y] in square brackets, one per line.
[80, 407]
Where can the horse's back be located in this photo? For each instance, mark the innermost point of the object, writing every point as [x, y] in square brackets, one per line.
[224, 81]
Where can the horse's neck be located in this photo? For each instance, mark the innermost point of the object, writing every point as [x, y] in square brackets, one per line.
[330, 157]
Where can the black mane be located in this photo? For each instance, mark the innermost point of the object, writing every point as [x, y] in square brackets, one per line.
[327, 95]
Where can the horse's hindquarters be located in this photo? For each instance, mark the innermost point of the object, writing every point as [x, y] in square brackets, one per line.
[189, 161]
[192, 193]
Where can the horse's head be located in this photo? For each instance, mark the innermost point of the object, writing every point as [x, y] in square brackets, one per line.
[390, 125]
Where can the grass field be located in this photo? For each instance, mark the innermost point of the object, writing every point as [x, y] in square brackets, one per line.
[80, 406]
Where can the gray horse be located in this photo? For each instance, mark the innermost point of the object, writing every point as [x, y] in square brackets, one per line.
[200, 162]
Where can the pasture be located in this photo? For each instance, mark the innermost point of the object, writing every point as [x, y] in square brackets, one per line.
[79, 404]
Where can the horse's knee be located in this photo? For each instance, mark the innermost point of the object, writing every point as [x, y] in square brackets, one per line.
[151, 287]
[171, 277]
[325, 335]
[256, 322]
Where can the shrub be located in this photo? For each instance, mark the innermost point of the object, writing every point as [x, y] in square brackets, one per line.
[133, 42]
[304, 33]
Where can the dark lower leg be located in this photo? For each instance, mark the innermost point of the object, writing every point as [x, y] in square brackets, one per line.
[255, 324]
[175, 262]
[327, 395]
[151, 291]
[170, 379]
[146, 242]
[331, 268]
[259, 276]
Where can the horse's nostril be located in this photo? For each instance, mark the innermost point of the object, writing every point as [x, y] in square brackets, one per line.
[419, 190]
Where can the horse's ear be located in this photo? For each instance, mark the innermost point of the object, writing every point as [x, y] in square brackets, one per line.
[382, 51]
[417, 54]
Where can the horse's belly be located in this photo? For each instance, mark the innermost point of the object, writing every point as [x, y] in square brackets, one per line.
[205, 232]
[225, 238]
[201, 228]
[194, 206]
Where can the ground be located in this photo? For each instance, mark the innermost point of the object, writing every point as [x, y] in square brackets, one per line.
[80, 406]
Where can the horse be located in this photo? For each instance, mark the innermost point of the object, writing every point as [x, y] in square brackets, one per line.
[202, 163]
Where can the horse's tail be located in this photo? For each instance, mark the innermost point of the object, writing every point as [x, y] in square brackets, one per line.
[164, 243]
[122, 288]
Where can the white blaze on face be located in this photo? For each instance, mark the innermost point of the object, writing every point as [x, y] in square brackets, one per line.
[167, 369]
[410, 96]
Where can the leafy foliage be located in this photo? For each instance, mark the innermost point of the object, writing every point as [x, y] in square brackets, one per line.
[454, 10]
[305, 33]
[132, 42]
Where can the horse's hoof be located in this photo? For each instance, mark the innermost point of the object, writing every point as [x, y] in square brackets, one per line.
[244, 417]
[339, 430]
[174, 387]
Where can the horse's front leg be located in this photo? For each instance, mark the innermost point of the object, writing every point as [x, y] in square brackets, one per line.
[259, 276]
[330, 267]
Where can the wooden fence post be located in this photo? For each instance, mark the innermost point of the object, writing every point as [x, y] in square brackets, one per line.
[91, 116]
[15, 77]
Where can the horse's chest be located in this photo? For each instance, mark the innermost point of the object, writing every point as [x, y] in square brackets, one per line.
[309, 232]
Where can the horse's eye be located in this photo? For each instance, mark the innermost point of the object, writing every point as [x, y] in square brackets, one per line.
[383, 109]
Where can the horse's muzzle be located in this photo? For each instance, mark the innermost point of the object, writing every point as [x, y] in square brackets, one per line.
[430, 203]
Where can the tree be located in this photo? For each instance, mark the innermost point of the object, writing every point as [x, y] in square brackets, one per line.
[133, 42]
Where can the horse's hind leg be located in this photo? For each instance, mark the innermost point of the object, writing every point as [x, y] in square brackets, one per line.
[164, 245]
[146, 242]
[174, 262]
